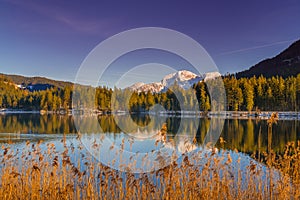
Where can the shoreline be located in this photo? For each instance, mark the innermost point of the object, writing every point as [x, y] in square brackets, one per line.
[222, 114]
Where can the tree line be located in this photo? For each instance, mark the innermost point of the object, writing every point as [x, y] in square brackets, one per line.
[51, 99]
[275, 93]
[244, 94]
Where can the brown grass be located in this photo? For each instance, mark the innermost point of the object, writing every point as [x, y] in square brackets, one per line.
[49, 174]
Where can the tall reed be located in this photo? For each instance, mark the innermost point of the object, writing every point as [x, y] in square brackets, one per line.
[35, 173]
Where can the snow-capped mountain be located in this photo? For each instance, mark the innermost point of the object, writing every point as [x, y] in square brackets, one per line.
[185, 79]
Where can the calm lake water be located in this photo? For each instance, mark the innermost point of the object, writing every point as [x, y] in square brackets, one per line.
[245, 135]
[142, 148]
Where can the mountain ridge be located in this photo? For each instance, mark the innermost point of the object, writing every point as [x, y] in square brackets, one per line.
[285, 64]
[184, 79]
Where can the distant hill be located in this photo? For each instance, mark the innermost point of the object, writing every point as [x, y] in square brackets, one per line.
[285, 64]
[39, 82]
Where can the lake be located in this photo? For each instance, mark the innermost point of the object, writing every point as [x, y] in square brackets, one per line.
[144, 143]
[245, 135]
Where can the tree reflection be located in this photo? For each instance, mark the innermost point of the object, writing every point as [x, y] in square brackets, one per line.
[246, 135]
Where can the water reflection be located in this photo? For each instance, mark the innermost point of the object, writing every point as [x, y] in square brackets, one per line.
[247, 135]
[35, 123]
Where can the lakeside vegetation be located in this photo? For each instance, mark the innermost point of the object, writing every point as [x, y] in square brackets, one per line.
[244, 94]
[36, 173]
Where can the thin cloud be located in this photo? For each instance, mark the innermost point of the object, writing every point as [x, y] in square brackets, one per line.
[86, 26]
[83, 24]
[256, 47]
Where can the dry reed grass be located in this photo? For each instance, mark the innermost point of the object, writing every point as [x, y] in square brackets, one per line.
[49, 174]
[37, 173]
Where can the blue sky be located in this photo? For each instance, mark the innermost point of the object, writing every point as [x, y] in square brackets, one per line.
[52, 38]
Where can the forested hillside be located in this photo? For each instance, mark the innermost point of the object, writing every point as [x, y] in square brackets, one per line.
[17, 79]
[51, 99]
[245, 94]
